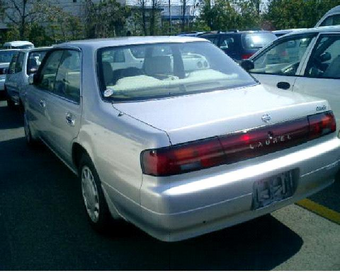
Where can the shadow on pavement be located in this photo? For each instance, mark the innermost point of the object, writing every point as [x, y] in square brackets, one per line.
[10, 118]
[43, 227]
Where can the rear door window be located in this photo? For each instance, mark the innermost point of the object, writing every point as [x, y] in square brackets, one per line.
[49, 71]
[67, 83]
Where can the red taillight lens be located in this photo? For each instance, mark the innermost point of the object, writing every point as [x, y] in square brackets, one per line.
[246, 56]
[236, 147]
[321, 124]
[182, 158]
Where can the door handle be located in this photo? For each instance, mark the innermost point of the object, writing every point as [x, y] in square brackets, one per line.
[283, 85]
[70, 119]
[42, 104]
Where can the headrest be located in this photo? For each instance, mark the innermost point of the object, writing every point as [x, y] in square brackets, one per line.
[158, 65]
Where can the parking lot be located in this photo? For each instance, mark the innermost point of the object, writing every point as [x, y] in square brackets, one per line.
[43, 225]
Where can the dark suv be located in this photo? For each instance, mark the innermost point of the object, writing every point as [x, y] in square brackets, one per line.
[240, 45]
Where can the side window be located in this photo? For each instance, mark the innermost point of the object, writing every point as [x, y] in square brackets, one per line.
[227, 43]
[213, 39]
[49, 71]
[19, 62]
[119, 56]
[11, 68]
[67, 83]
[331, 20]
[283, 58]
[324, 61]
[34, 60]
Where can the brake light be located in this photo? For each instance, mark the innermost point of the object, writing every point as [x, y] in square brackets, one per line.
[321, 124]
[235, 147]
[182, 158]
[246, 56]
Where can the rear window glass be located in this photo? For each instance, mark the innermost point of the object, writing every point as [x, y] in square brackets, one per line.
[257, 40]
[169, 69]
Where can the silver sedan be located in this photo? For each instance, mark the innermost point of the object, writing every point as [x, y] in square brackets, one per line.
[170, 134]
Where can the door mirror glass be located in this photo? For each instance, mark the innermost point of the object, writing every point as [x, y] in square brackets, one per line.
[247, 64]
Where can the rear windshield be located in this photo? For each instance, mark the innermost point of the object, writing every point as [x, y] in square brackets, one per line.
[162, 70]
[6, 56]
[257, 40]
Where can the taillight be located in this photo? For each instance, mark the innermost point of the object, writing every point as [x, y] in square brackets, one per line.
[182, 158]
[321, 124]
[235, 147]
[246, 56]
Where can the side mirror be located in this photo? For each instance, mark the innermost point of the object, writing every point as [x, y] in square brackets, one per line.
[247, 65]
[325, 57]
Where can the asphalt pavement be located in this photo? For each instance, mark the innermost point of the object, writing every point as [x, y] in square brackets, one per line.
[43, 225]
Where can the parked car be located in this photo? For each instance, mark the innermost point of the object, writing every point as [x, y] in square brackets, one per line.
[5, 59]
[24, 63]
[18, 45]
[178, 150]
[332, 17]
[240, 45]
[279, 33]
[307, 62]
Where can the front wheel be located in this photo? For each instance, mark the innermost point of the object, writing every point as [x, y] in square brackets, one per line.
[93, 197]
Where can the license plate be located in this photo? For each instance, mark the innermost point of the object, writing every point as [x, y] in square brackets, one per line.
[274, 189]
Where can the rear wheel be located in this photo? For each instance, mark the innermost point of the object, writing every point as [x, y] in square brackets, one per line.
[93, 197]
[10, 103]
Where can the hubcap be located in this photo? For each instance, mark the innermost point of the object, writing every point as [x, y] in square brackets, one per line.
[90, 193]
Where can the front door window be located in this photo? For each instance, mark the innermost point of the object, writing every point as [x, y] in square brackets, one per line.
[284, 57]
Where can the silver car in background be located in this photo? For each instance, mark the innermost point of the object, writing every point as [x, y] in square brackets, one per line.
[173, 136]
[5, 59]
[24, 63]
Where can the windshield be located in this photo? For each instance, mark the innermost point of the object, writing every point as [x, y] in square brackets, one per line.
[257, 40]
[162, 70]
[6, 56]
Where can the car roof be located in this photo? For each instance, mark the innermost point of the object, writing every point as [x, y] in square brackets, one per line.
[320, 29]
[121, 41]
[234, 32]
[9, 50]
[332, 11]
[18, 43]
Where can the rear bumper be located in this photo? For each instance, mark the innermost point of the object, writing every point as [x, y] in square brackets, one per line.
[184, 206]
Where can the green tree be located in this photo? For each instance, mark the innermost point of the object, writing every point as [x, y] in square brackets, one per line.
[231, 14]
[105, 19]
[297, 13]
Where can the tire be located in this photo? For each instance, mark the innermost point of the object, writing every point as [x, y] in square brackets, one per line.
[30, 141]
[10, 103]
[94, 201]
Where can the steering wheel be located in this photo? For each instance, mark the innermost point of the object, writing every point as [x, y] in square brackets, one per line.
[290, 70]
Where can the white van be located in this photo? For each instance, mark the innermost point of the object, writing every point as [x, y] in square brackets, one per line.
[18, 45]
